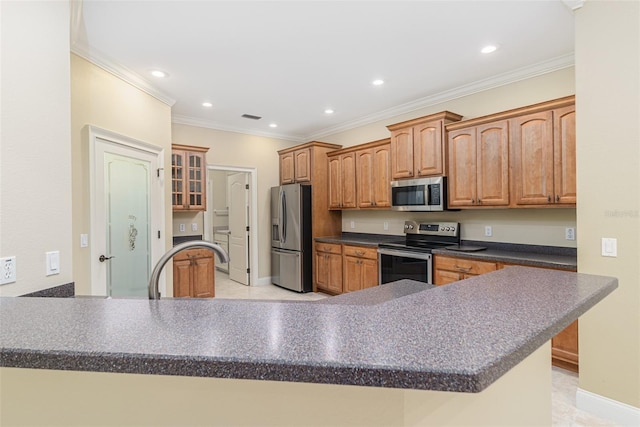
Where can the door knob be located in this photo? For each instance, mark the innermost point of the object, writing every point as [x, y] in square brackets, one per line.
[105, 258]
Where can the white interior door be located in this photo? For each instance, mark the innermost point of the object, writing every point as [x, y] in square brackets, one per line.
[238, 195]
[126, 218]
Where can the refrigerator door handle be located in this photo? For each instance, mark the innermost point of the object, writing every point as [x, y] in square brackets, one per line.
[280, 216]
[284, 217]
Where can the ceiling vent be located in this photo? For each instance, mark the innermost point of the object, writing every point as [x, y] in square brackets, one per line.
[251, 116]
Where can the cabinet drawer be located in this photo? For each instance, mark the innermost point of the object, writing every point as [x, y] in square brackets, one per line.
[333, 248]
[193, 253]
[361, 251]
[464, 265]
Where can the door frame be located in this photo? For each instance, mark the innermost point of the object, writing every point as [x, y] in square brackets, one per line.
[253, 218]
[157, 210]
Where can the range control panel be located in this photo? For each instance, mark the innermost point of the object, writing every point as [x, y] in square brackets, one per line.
[451, 229]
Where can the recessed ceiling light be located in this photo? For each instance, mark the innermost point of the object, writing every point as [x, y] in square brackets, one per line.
[378, 82]
[328, 111]
[207, 104]
[273, 125]
[489, 48]
[159, 74]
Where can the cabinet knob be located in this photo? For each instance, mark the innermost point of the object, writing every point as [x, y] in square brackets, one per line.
[549, 199]
[557, 198]
[473, 201]
[479, 201]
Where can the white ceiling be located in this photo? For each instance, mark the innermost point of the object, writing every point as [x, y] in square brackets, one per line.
[288, 61]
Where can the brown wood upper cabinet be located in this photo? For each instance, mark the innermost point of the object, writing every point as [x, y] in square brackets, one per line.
[188, 177]
[525, 157]
[417, 146]
[359, 176]
[544, 157]
[342, 181]
[479, 165]
[295, 166]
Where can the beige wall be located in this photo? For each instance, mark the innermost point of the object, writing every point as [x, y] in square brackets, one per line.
[247, 151]
[99, 98]
[530, 226]
[608, 132]
[35, 152]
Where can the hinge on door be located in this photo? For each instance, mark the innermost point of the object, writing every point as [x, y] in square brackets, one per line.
[247, 228]
[246, 186]
[158, 171]
[158, 234]
[248, 270]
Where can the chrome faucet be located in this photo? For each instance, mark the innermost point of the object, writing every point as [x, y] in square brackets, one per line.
[223, 256]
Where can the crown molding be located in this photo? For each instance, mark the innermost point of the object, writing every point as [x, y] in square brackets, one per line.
[189, 121]
[573, 4]
[80, 48]
[523, 73]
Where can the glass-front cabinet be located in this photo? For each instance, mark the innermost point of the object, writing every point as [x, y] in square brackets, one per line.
[188, 177]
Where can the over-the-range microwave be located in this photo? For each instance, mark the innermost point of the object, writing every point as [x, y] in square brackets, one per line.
[419, 195]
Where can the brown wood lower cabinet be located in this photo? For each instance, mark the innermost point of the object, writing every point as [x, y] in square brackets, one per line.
[345, 268]
[360, 268]
[564, 346]
[328, 273]
[194, 274]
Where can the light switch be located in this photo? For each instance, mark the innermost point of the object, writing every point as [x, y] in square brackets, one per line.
[53, 263]
[84, 240]
[609, 247]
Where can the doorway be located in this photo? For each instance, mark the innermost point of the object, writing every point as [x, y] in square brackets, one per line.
[127, 215]
[230, 206]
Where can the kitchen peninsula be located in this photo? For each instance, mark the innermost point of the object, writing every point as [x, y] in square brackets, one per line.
[475, 351]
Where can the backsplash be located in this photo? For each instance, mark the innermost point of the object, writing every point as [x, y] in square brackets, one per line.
[521, 226]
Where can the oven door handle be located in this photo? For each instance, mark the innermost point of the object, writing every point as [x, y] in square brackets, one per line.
[405, 254]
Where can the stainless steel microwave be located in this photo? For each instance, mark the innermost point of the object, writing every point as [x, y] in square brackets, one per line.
[419, 195]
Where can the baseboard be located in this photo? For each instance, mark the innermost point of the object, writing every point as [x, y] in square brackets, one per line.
[262, 281]
[609, 409]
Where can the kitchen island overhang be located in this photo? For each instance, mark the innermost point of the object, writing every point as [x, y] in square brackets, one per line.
[461, 337]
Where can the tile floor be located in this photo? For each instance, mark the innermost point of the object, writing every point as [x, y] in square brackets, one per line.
[565, 383]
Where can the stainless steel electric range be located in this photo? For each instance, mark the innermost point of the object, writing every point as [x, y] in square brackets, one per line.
[411, 258]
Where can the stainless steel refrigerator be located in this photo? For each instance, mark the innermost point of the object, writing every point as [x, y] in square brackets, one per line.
[291, 243]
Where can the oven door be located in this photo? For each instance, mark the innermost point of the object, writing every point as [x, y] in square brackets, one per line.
[398, 264]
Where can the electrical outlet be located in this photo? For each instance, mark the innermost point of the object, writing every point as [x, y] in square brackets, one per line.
[194, 226]
[353, 224]
[182, 228]
[385, 225]
[488, 231]
[7, 270]
[570, 233]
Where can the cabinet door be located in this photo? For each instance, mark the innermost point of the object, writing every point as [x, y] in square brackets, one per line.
[365, 178]
[352, 274]
[178, 180]
[444, 277]
[369, 273]
[564, 348]
[203, 284]
[532, 144]
[492, 179]
[287, 175]
[182, 278]
[335, 182]
[196, 171]
[348, 177]
[302, 167]
[322, 270]
[462, 167]
[427, 145]
[335, 284]
[564, 144]
[402, 153]
[381, 176]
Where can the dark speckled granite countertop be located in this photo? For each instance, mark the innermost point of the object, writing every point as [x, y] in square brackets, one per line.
[460, 337]
[530, 255]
